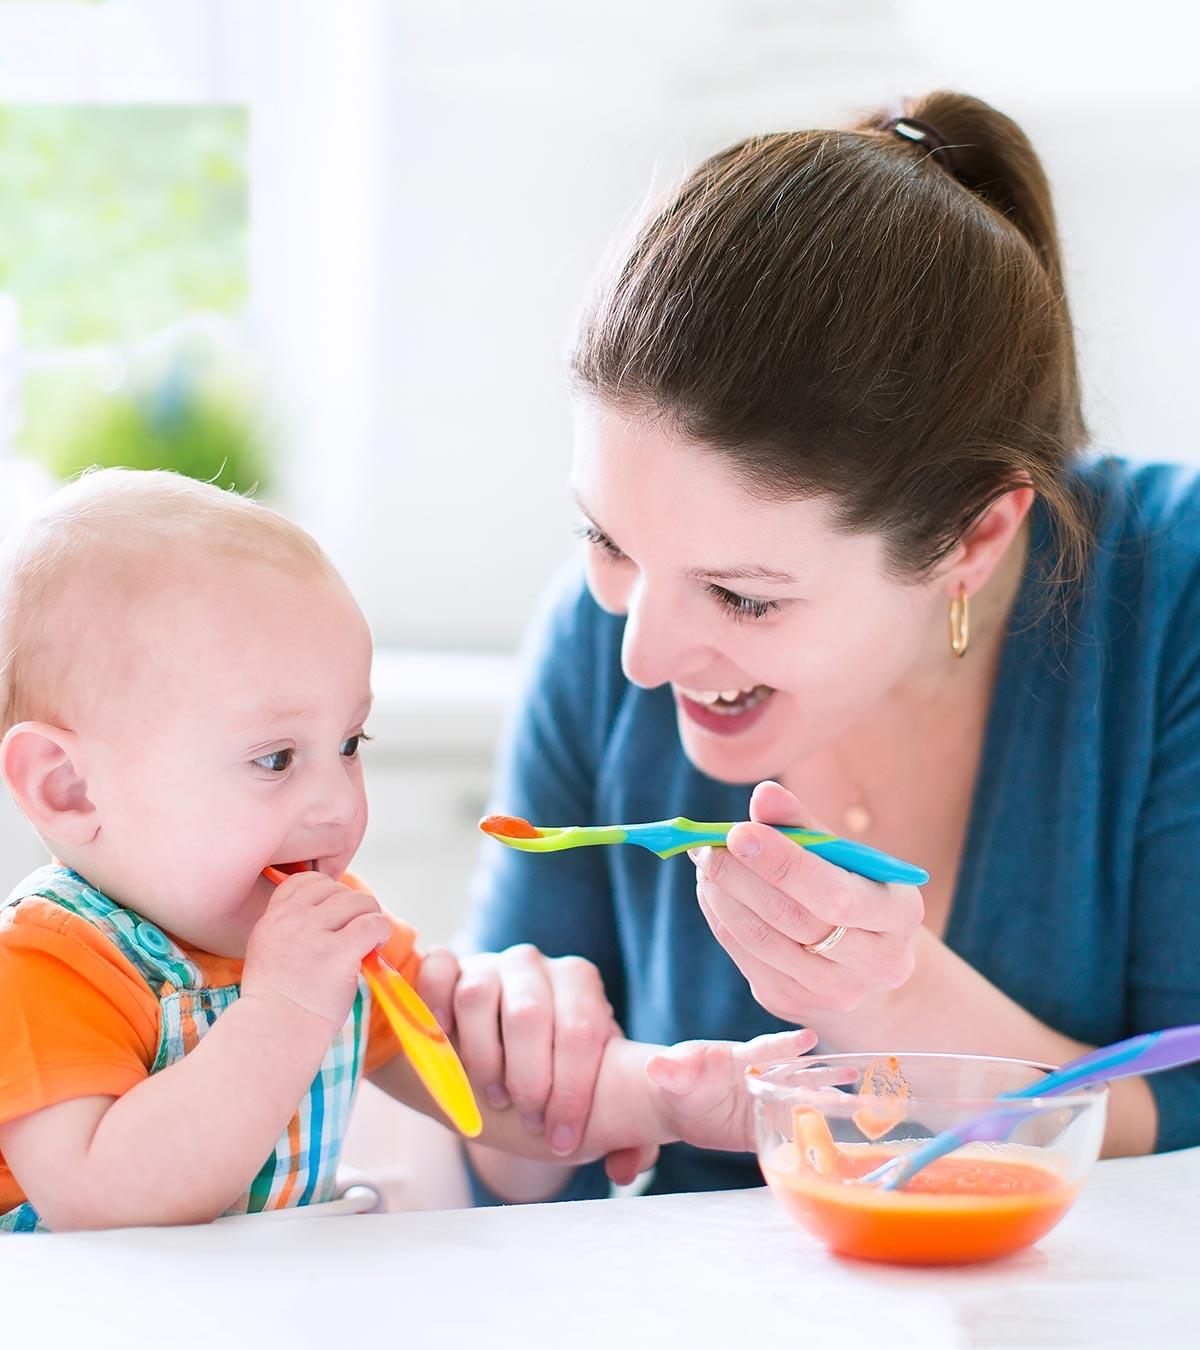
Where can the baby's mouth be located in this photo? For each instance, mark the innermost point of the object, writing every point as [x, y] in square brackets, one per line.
[290, 869]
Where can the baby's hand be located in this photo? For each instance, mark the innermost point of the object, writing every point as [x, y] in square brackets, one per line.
[308, 948]
[702, 1097]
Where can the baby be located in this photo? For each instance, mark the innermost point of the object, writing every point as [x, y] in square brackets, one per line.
[184, 686]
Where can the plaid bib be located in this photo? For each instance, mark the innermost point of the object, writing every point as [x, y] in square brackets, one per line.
[302, 1168]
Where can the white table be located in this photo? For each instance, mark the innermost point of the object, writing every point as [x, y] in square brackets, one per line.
[669, 1272]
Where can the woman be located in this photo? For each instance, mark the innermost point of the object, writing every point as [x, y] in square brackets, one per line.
[840, 534]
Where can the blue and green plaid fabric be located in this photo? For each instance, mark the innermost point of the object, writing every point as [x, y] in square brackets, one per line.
[303, 1166]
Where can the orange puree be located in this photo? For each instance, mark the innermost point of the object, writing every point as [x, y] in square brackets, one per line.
[512, 827]
[968, 1206]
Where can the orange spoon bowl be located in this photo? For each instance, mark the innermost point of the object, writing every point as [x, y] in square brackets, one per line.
[825, 1121]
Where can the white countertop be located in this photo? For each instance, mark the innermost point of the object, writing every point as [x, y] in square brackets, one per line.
[1121, 1270]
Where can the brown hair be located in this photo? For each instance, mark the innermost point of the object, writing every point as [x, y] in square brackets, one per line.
[846, 314]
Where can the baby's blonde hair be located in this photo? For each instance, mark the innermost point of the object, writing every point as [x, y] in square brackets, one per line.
[114, 523]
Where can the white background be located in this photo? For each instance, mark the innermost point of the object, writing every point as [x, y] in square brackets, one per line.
[433, 183]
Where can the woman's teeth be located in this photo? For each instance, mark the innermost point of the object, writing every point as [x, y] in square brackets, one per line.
[728, 701]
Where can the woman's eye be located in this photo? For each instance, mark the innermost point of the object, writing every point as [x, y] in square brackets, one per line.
[278, 761]
[742, 606]
[598, 539]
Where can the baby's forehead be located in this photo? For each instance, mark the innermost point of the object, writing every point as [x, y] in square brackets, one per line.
[221, 642]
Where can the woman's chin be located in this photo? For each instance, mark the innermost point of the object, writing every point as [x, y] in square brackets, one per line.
[727, 759]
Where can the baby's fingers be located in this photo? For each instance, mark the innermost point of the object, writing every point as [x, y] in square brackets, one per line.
[364, 934]
[716, 1065]
[777, 1045]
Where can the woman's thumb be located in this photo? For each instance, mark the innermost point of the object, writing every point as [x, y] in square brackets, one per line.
[772, 804]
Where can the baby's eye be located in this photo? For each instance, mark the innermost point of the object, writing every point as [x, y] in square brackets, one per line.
[278, 761]
[351, 745]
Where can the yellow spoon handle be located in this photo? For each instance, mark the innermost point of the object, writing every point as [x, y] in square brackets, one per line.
[424, 1042]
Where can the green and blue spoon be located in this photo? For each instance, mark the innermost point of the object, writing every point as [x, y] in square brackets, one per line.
[669, 837]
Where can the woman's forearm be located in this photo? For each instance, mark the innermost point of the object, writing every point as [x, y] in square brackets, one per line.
[949, 1006]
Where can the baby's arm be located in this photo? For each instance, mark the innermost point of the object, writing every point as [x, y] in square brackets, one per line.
[181, 1146]
[645, 1095]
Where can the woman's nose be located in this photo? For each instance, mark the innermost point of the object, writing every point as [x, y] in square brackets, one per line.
[657, 646]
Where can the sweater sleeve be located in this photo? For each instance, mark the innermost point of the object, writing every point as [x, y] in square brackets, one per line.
[1164, 969]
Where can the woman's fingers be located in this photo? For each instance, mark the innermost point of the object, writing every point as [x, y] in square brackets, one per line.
[625, 1165]
[527, 1029]
[884, 960]
[437, 980]
[583, 1024]
[788, 873]
[476, 1010]
[775, 912]
[811, 984]
[531, 1031]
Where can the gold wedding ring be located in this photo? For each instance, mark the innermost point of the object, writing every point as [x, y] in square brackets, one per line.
[827, 943]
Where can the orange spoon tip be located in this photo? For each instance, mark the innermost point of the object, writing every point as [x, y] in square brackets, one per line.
[510, 827]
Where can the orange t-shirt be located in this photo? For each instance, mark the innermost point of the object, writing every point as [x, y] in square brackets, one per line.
[77, 1020]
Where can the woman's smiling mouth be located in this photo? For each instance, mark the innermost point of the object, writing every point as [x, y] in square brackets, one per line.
[723, 711]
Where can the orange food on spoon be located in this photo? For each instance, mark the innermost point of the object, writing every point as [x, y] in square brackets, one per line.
[512, 827]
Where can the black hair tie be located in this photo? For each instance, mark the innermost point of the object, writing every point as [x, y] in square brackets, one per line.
[921, 133]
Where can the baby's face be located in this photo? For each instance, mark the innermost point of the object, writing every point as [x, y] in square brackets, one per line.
[222, 735]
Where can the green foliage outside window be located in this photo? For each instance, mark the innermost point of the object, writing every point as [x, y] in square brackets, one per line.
[120, 223]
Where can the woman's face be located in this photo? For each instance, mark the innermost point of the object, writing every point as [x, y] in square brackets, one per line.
[774, 630]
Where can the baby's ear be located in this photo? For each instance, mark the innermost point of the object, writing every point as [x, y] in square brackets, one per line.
[43, 768]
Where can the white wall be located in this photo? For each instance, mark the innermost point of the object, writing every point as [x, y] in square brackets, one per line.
[515, 140]
[433, 183]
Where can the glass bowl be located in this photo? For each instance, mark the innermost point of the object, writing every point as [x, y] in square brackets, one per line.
[824, 1121]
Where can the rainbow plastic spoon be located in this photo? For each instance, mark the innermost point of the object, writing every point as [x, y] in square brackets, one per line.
[669, 837]
[424, 1042]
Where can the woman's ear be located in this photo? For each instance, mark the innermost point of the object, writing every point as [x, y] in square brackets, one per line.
[43, 768]
[988, 539]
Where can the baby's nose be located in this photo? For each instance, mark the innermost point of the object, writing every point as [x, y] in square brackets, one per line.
[336, 803]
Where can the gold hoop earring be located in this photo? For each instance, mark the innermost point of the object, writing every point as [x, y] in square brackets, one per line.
[960, 622]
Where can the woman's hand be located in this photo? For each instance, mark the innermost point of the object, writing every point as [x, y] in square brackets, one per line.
[766, 901]
[531, 1030]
